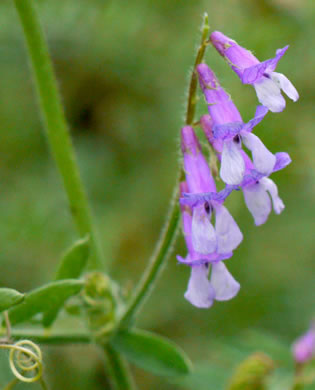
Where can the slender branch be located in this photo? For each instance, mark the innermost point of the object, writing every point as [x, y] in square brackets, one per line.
[160, 255]
[192, 92]
[168, 236]
[55, 123]
[118, 370]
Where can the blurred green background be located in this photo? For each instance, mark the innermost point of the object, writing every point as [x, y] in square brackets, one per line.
[123, 69]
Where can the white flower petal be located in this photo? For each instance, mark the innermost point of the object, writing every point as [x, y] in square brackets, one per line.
[258, 202]
[269, 94]
[225, 286]
[203, 235]
[286, 85]
[271, 187]
[199, 292]
[232, 163]
[263, 159]
[229, 235]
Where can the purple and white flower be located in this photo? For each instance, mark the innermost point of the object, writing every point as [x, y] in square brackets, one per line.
[260, 192]
[206, 243]
[201, 292]
[304, 347]
[229, 131]
[267, 83]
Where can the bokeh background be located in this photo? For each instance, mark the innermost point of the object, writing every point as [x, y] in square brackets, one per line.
[123, 69]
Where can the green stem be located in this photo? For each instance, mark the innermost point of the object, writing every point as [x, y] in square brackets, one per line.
[41, 337]
[192, 92]
[168, 236]
[55, 123]
[59, 136]
[118, 370]
[158, 260]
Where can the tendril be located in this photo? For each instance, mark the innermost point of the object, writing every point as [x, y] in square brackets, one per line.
[25, 357]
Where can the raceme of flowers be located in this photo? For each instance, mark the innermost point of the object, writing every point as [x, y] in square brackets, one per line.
[210, 231]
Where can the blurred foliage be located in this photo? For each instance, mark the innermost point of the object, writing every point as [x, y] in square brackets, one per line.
[122, 69]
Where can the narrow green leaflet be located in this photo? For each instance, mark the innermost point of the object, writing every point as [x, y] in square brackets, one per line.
[152, 352]
[74, 260]
[45, 299]
[71, 266]
[9, 297]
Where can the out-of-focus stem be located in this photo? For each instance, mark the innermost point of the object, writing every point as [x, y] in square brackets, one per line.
[55, 123]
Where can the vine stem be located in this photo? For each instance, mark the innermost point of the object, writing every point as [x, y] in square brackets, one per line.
[169, 233]
[59, 138]
[55, 123]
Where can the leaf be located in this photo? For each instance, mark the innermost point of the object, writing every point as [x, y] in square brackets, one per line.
[44, 299]
[50, 316]
[9, 297]
[152, 352]
[71, 266]
[74, 260]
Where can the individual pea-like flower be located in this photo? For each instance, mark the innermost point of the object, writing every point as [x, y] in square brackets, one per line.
[229, 131]
[260, 192]
[201, 291]
[304, 347]
[206, 244]
[267, 83]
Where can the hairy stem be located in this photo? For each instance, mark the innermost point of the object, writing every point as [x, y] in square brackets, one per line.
[55, 123]
[192, 92]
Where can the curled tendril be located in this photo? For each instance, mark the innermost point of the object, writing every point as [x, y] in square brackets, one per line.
[25, 357]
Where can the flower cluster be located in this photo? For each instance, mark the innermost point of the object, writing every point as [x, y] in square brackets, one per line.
[211, 233]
